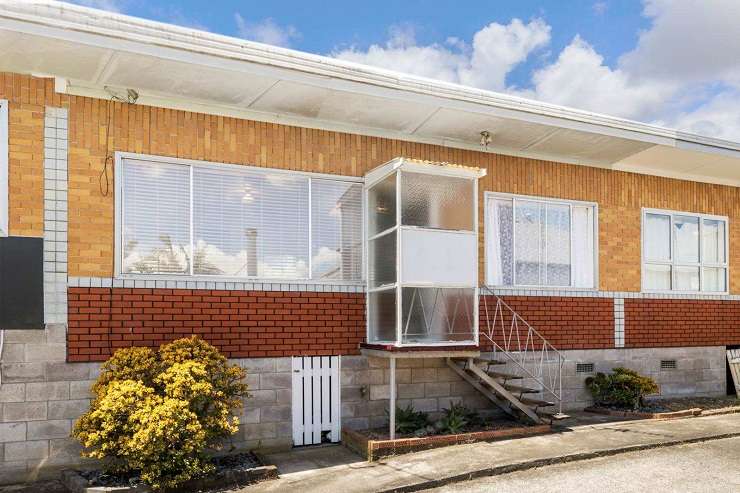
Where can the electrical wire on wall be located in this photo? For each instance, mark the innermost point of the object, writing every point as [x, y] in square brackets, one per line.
[104, 185]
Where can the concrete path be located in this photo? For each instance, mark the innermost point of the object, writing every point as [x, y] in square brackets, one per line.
[334, 468]
[705, 467]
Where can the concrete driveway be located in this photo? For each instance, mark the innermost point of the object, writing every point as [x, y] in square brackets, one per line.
[705, 467]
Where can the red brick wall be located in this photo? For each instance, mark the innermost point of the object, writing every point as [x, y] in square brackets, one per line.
[566, 322]
[676, 322]
[239, 323]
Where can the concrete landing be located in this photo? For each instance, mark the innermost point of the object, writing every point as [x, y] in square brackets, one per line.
[334, 468]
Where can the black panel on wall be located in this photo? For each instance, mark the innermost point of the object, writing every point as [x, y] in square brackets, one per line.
[21, 283]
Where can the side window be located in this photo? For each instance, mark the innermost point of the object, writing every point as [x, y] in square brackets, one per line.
[683, 251]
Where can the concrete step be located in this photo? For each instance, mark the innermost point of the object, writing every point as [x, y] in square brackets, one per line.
[531, 401]
[518, 389]
[504, 376]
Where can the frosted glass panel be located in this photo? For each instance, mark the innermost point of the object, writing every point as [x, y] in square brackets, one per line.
[437, 315]
[557, 245]
[381, 205]
[530, 225]
[382, 316]
[687, 238]
[156, 218]
[714, 242]
[439, 202]
[382, 259]
[658, 277]
[336, 226]
[713, 279]
[438, 257]
[657, 237]
[687, 278]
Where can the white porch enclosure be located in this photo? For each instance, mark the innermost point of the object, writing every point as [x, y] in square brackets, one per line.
[422, 250]
[316, 411]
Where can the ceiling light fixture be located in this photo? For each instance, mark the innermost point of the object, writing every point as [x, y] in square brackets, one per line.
[485, 138]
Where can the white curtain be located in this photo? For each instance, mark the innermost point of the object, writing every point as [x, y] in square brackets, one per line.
[583, 247]
[495, 277]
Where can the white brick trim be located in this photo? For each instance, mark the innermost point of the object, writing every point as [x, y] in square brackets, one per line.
[55, 215]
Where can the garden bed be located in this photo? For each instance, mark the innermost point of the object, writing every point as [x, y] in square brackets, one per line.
[231, 471]
[674, 408]
[375, 444]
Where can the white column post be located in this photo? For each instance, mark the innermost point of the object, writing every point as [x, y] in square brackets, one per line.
[392, 403]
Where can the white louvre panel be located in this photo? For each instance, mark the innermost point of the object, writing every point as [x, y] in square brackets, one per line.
[436, 257]
[156, 222]
[336, 224]
[250, 224]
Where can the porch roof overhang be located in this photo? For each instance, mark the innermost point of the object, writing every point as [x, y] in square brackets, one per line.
[94, 53]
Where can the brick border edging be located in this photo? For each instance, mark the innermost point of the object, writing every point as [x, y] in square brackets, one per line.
[563, 459]
[373, 450]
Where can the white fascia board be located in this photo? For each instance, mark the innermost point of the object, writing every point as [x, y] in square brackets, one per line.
[99, 28]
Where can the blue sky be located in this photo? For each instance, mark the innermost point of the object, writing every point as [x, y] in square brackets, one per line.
[670, 62]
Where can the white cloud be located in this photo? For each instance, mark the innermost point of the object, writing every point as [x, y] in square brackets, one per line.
[266, 31]
[690, 41]
[718, 117]
[600, 8]
[671, 76]
[495, 51]
[579, 78]
[110, 5]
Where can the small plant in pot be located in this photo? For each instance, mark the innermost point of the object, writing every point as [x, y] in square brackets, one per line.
[155, 414]
[623, 388]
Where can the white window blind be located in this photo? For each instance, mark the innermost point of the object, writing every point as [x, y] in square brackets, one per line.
[684, 252]
[156, 224]
[540, 242]
[336, 223]
[239, 223]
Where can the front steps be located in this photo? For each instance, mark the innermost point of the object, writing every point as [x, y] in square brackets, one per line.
[514, 399]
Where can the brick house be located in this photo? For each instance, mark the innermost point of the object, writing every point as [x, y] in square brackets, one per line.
[301, 214]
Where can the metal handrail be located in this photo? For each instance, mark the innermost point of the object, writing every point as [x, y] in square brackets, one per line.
[521, 342]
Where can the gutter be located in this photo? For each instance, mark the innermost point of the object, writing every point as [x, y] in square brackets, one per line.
[54, 16]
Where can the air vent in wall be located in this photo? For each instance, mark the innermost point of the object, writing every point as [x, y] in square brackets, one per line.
[668, 364]
[584, 367]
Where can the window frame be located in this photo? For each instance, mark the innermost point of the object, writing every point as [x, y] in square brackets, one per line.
[194, 163]
[4, 160]
[489, 229]
[673, 262]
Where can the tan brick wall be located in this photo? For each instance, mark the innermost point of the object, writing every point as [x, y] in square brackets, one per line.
[160, 131]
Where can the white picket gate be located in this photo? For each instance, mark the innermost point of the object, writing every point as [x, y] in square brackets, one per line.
[316, 407]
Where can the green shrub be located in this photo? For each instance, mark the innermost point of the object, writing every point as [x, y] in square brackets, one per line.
[156, 413]
[454, 420]
[457, 419]
[409, 421]
[622, 388]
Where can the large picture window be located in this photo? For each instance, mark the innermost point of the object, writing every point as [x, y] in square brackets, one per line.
[535, 242]
[683, 251]
[185, 218]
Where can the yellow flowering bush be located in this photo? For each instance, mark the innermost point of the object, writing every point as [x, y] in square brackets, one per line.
[156, 413]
